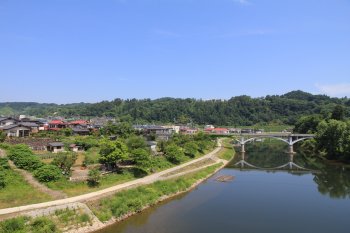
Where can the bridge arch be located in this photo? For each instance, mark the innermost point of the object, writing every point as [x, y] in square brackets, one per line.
[265, 136]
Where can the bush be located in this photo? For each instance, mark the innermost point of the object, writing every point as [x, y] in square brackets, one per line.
[174, 154]
[4, 164]
[2, 179]
[65, 161]
[13, 225]
[48, 173]
[94, 177]
[24, 158]
[43, 225]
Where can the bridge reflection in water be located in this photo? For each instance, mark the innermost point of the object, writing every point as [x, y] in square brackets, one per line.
[289, 165]
[271, 151]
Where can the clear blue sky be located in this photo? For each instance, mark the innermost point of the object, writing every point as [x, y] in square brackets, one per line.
[91, 50]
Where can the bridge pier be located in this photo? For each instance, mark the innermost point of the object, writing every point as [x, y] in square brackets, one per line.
[242, 148]
[290, 149]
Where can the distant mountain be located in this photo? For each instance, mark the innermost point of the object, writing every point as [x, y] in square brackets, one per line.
[240, 110]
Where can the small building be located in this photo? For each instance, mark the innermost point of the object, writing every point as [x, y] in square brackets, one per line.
[247, 131]
[80, 131]
[16, 130]
[55, 147]
[34, 127]
[79, 124]
[153, 146]
[4, 121]
[76, 148]
[56, 125]
[220, 131]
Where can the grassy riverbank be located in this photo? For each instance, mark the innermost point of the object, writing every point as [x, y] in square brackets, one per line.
[227, 153]
[131, 201]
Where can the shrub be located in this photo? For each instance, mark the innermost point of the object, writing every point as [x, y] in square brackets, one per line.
[94, 177]
[13, 225]
[48, 173]
[43, 225]
[2, 179]
[174, 154]
[24, 158]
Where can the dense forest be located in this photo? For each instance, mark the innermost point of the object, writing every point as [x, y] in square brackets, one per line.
[240, 110]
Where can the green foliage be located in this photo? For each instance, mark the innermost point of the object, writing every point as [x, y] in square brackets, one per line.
[2, 136]
[141, 157]
[191, 149]
[174, 154]
[338, 113]
[240, 110]
[14, 225]
[86, 142]
[136, 142]
[333, 137]
[133, 200]
[2, 179]
[43, 225]
[122, 129]
[24, 158]
[113, 152]
[94, 178]
[307, 124]
[48, 173]
[64, 161]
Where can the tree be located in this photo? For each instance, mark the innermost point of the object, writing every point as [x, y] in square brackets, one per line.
[174, 154]
[307, 124]
[48, 173]
[191, 149]
[64, 161]
[136, 142]
[94, 177]
[24, 158]
[113, 152]
[141, 158]
[330, 138]
[338, 113]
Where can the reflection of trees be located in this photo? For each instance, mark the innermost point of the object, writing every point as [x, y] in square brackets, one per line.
[332, 179]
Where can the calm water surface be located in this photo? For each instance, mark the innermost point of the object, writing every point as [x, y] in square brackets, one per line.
[256, 201]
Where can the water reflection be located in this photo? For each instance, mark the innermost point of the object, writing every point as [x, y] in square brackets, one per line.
[333, 179]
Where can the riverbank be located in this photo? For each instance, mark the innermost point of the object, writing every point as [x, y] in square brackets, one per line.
[187, 177]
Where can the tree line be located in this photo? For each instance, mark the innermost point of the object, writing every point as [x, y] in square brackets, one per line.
[240, 110]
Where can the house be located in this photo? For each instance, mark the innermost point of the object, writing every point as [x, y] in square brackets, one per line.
[209, 127]
[79, 124]
[4, 121]
[188, 131]
[235, 130]
[16, 130]
[80, 131]
[34, 127]
[247, 131]
[76, 148]
[163, 133]
[220, 131]
[55, 147]
[57, 125]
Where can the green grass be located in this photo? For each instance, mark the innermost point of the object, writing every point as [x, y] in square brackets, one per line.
[78, 188]
[18, 192]
[92, 156]
[227, 153]
[27, 224]
[61, 220]
[133, 200]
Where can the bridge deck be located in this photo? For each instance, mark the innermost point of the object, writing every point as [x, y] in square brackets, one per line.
[271, 134]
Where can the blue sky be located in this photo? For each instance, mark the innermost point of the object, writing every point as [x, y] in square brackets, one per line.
[91, 50]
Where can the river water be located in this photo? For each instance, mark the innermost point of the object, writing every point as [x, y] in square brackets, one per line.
[256, 200]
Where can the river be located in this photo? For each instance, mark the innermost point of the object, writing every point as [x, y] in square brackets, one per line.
[256, 200]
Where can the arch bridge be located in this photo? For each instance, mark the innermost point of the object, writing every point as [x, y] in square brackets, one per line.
[288, 138]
